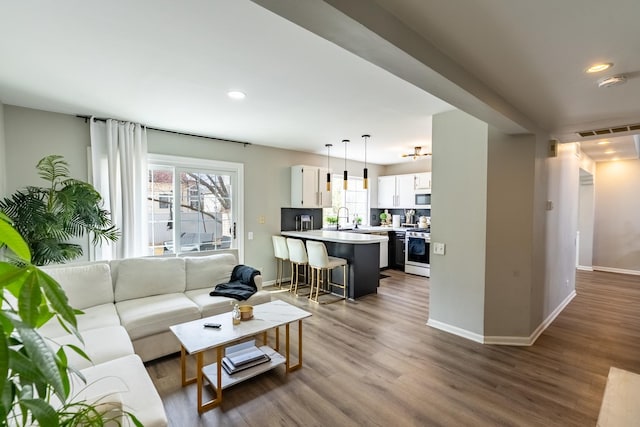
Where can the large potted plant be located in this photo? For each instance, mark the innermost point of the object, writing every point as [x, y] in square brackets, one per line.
[48, 217]
[35, 380]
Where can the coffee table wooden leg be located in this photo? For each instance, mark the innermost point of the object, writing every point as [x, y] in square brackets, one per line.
[202, 407]
[288, 364]
[277, 340]
[183, 368]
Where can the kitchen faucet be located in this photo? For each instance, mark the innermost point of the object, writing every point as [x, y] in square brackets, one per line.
[346, 217]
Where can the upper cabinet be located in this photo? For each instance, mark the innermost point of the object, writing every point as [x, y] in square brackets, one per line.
[308, 187]
[423, 181]
[395, 191]
[398, 191]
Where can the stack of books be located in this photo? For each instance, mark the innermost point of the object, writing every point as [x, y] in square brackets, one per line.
[243, 356]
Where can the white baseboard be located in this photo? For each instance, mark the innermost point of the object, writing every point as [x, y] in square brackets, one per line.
[584, 268]
[616, 270]
[531, 339]
[504, 340]
[456, 330]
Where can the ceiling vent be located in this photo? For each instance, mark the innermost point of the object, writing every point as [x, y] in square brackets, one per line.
[609, 131]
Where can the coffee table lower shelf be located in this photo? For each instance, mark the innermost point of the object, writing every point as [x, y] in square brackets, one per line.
[210, 372]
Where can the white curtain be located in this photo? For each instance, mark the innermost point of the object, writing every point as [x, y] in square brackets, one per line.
[119, 169]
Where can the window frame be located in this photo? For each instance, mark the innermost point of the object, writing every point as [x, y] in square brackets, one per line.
[237, 201]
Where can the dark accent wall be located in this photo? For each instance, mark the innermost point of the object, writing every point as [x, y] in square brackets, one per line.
[375, 214]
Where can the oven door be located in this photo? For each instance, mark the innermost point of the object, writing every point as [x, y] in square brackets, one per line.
[417, 250]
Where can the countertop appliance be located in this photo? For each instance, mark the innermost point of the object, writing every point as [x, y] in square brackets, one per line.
[417, 249]
[304, 222]
[423, 199]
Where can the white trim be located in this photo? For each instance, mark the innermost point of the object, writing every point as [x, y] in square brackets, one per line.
[584, 268]
[551, 317]
[456, 330]
[505, 340]
[616, 270]
[515, 341]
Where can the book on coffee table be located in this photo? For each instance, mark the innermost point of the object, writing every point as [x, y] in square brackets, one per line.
[243, 356]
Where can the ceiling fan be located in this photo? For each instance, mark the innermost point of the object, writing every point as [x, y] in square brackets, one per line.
[416, 153]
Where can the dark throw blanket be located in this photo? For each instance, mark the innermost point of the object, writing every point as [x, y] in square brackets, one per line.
[241, 285]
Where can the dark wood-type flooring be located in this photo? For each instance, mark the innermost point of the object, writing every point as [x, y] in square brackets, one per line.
[374, 362]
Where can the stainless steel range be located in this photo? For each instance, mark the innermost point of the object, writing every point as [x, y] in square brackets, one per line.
[417, 248]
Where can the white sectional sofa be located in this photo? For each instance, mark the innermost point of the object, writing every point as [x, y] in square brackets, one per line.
[128, 307]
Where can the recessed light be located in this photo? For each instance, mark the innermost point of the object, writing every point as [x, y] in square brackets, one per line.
[236, 94]
[596, 68]
[610, 152]
[604, 142]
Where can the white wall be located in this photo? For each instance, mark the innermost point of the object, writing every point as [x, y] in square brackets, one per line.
[458, 219]
[34, 134]
[617, 222]
[586, 214]
[562, 225]
[510, 235]
[3, 162]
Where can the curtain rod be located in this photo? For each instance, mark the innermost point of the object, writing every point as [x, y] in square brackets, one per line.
[100, 119]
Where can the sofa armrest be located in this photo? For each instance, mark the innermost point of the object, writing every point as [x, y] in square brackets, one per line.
[258, 281]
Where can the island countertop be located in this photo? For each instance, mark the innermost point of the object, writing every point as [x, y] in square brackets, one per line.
[337, 236]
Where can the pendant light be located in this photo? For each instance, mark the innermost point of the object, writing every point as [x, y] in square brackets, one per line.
[365, 173]
[328, 167]
[345, 175]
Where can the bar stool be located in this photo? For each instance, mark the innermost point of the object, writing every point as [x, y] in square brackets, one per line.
[281, 253]
[297, 257]
[319, 261]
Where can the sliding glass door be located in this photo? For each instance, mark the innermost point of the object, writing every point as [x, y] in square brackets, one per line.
[192, 207]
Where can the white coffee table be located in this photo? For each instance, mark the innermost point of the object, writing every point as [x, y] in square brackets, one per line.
[195, 339]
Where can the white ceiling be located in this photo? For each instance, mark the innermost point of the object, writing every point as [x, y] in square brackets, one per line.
[169, 64]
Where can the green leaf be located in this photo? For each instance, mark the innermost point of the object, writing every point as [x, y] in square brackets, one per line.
[42, 412]
[4, 361]
[63, 364]
[29, 300]
[14, 241]
[44, 359]
[6, 399]
[79, 351]
[57, 298]
[21, 365]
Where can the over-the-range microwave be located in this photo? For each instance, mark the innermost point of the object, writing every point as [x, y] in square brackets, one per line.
[423, 199]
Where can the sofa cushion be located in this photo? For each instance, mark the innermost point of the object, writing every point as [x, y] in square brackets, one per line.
[210, 306]
[127, 377]
[147, 316]
[101, 345]
[208, 271]
[144, 277]
[99, 316]
[85, 285]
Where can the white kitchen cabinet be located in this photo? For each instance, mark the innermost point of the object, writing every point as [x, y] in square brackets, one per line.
[308, 187]
[396, 191]
[405, 190]
[423, 181]
[387, 192]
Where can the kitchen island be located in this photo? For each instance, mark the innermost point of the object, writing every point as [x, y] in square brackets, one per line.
[362, 252]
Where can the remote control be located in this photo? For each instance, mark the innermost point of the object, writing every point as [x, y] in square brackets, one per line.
[212, 325]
